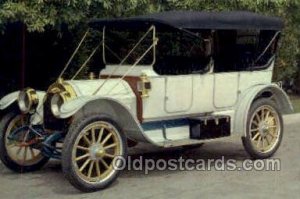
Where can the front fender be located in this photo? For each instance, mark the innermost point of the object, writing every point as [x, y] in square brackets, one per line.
[122, 111]
[242, 109]
[70, 108]
[11, 98]
[8, 100]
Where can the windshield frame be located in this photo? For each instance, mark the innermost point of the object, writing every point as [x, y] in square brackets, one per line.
[151, 29]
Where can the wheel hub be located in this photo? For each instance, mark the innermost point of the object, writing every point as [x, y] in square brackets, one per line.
[97, 151]
[263, 129]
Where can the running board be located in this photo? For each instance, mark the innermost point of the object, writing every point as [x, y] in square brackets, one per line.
[184, 142]
[187, 131]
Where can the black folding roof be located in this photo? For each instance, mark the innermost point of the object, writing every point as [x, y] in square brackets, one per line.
[194, 20]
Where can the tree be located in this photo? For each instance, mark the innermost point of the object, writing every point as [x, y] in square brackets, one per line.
[38, 14]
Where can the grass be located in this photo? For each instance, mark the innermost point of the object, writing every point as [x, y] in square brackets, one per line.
[295, 99]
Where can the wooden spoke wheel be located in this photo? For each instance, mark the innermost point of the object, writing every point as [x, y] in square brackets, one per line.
[90, 152]
[264, 130]
[16, 150]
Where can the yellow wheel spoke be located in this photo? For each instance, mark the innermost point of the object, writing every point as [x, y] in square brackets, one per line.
[83, 148]
[263, 144]
[109, 155]
[32, 153]
[262, 114]
[25, 154]
[100, 135]
[106, 138]
[267, 115]
[104, 163]
[258, 141]
[267, 140]
[271, 134]
[82, 157]
[19, 150]
[110, 146]
[255, 136]
[255, 122]
[84, 165]
[87, 141]
[12, 145]
[98, 169]
[26, 136]
[257, 117]
[91, 169]
[93, 135]
[254, 130]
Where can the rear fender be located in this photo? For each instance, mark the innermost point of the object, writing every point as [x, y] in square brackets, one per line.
[273, 92]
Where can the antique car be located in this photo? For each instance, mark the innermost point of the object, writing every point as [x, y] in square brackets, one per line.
[189, 78]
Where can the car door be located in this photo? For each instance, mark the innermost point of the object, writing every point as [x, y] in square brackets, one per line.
[179, 93]
[226, 87]
[169, 95]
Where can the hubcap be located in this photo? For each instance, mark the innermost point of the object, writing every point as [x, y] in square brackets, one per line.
[94, 151]
[97, 151]
[265, 128]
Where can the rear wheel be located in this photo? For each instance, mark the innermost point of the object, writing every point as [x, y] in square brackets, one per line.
[264, 129]
[16, 144]
[89, 155]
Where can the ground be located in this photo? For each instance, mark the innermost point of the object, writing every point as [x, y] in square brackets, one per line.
[50, 183]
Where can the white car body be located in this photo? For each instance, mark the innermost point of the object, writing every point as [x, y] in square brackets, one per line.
[171, 98]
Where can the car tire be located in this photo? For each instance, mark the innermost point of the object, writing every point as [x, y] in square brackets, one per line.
[6, 157]
[264, 129]
[85, 180]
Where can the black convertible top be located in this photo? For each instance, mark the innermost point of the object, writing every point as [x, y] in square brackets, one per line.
[194, 20]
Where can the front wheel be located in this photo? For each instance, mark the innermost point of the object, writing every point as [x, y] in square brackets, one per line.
[17, 144]
[264, 129]
[89, 155]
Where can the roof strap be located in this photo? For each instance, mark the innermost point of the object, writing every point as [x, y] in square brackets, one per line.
[267, 47]
[74, 53]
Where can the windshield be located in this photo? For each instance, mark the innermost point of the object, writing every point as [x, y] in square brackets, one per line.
[182, 53]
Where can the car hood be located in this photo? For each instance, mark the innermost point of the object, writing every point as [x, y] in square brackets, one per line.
[111, 88]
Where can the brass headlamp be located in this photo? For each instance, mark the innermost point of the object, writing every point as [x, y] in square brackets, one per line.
[61, 92]
[28, 100]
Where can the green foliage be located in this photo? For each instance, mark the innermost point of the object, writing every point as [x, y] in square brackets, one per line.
[38, 15]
